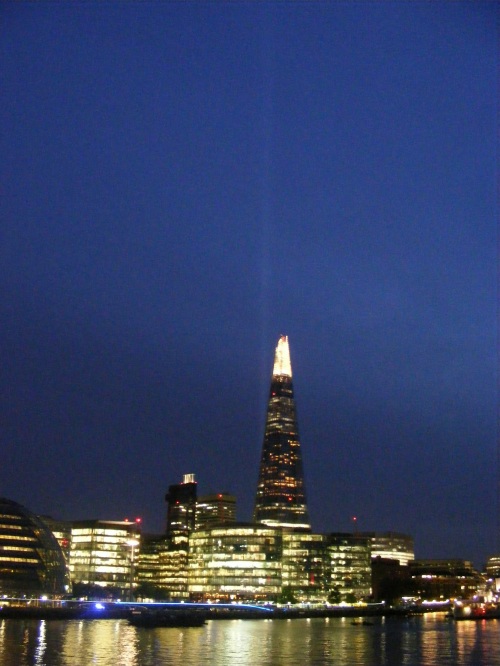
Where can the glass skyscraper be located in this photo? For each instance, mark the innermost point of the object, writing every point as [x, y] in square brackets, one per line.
[181, 512]
[281, 498]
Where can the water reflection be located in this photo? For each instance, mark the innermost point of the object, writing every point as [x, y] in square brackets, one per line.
[42, 644]
[402, 642]
[99, 642]
[479, 642]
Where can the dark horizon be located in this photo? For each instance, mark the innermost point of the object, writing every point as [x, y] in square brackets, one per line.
[185, 182]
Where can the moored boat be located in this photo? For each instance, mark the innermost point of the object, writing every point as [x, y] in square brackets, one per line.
[476, 610]
[146, 617]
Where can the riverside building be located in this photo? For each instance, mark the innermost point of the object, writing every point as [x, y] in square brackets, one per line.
[31, 560]
[238, 562]
[444, 579]
[61, 529]
[493, 571]
[103, 554]
[149, 573]
[390, 546]
[349, 567]
[162, 569]
[304, 566]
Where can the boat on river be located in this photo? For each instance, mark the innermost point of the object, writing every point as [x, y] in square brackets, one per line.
[166, 617]
[362, 623]
[476, 610]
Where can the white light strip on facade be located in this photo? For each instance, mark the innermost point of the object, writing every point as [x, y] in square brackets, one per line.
[282, 364]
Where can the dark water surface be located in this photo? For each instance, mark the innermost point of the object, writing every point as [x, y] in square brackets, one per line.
[430, 640]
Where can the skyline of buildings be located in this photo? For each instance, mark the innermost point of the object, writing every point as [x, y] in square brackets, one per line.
[226, 562]
[204, 553]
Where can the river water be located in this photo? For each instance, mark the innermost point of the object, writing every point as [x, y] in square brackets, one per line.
[428, 640]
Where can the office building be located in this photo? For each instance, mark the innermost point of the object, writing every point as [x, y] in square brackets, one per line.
[235, 562]
[391, 581]
[174, 573]
[493, 567]
[281, 497]
[162, 569]
[304, 566]
[31, 560]
[349, 566]
[216, 509]
[181, 511]
[445, 579]
[390, 546]
[61, 529]
[103, 554]
[493, 572]
[149, 571]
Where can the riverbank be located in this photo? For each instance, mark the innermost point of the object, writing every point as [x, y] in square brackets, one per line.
[70, 610]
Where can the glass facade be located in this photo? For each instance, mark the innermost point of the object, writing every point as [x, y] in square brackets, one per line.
[103, 553]
[349, 567]
[304, 566]
[162, 569]
[62, 531]
[174, 573]
[148, 568]
[181, 511]
[391, 546]
[218, 509]
[31, 560]
[281, 499]
[240, 562]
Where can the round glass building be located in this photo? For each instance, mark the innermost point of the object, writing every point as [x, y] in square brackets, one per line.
[31, 560]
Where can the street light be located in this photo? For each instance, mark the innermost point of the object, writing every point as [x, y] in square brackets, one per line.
[132, 544]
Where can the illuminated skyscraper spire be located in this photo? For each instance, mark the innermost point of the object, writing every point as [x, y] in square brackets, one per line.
[280, 496]
[282, 365]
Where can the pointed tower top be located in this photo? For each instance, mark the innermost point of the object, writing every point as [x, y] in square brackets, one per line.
[282, 365]
[281, 498]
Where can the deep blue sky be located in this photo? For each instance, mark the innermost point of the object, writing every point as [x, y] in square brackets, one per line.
[181, 183]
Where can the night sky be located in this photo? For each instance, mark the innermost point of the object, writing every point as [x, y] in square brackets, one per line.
[182, 183]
